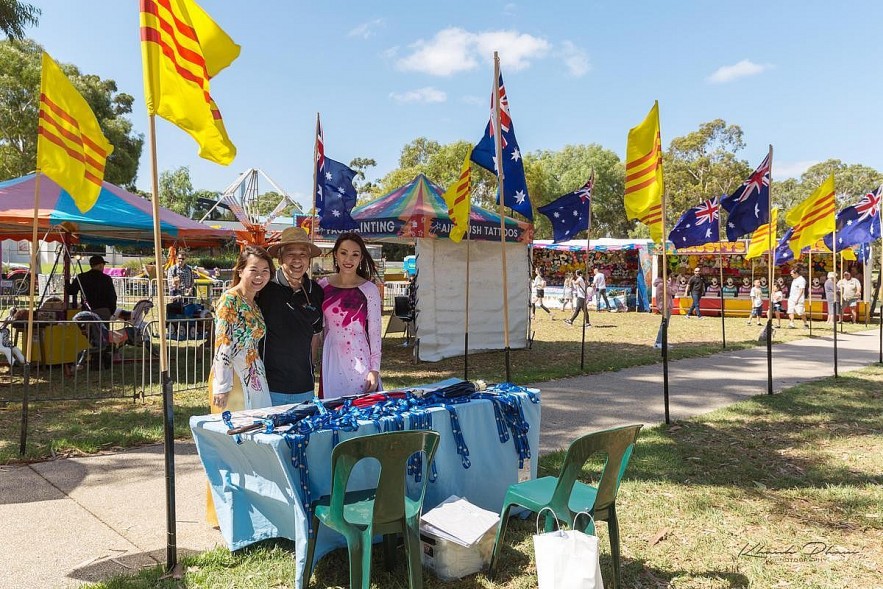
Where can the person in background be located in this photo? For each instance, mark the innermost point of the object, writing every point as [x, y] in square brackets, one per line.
[292, 308]
[539, 292]
[568, 291]
[852, 292]
[756, 295]
[238, 380]
[776, 299]
[580, 291]
[831, 297]
[180, 278]
[599, 282]
[796, 298]
[99, 294]
[695, 288]
[216, 273]
[352, 306]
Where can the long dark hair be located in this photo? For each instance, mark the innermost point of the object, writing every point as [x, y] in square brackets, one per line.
[367, 269]
[251, 250]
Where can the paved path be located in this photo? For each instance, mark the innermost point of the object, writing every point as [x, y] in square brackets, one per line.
[75, 520]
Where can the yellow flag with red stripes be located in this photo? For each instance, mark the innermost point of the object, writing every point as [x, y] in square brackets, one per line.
[643, 174]
[763, 238]
[182, 48]
[813, 218]
[71, 149]
[457, 199]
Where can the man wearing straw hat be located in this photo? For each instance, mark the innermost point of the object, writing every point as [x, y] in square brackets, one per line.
[292, 307]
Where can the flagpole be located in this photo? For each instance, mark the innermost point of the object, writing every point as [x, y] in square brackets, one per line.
[466, 334]
[880, 280]
[720, 263]
[665, 314]
[835, 310]
[167, 396]
[499, 151]
[23, 439]
[771, 275]
[315, 187]
[585, 309]
[809, 278]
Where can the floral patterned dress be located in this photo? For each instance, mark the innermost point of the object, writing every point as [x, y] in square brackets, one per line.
[237, 367]
[352, 338]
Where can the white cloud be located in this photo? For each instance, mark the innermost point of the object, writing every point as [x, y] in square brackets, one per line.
[472, 99]
[455, 50]
[367, 30]
[575, 58]
[744, 68]
[427, 94]
[783, 170]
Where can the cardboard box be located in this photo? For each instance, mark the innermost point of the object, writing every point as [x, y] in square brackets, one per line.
[457, 538]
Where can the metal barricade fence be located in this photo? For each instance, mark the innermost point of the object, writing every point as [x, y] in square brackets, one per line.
[393, 289]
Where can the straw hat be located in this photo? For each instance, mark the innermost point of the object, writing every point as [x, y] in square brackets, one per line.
[291, 236]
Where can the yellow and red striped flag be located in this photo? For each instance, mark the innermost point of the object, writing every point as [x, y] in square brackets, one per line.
[457, 199]
[71, 149]
[761, 239]
[182, 48]
[813, 218]
[643, 174]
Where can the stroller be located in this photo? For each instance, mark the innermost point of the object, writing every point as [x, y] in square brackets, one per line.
[104, 342]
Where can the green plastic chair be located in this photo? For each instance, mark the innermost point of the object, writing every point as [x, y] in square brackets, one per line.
[566, 496]
[386, 510]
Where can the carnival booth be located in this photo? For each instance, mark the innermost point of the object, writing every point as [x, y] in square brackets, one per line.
[417, 213]
[626, 264]
[729, 276]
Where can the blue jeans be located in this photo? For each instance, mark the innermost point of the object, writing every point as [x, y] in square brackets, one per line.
[695, 305]
[286, 399]
[602, 292]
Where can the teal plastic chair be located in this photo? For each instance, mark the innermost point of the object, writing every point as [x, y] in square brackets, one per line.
[566, 496]
[386, 510]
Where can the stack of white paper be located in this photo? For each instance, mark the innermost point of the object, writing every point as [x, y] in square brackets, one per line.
[459, 521]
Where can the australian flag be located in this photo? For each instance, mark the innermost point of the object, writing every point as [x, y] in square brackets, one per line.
[485, 154]
[783, 253]
[858, 224]
[335, 193]
[569, 214]
[697, 226]
[749, 206]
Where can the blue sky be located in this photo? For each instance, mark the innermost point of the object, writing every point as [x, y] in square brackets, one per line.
[802, 76]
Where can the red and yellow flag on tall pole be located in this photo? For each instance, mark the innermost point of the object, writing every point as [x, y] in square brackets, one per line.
[813, 218]
[761, 239]
[643, 174]
[182, 48]
[457, 199]
[71, 149]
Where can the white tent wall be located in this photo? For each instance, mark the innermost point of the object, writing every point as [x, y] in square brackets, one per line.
[441, 296]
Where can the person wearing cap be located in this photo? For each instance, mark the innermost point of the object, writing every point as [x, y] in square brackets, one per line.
[292, 307]
[99, 294]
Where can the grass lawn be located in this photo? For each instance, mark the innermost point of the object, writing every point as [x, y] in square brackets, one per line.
[776, 491]
[616, 341]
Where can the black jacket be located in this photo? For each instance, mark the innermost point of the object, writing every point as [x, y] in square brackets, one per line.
[97, 288]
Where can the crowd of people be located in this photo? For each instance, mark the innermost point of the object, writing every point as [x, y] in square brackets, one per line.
[269, 325]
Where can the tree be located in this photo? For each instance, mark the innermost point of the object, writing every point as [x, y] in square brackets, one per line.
[19, 107]
[702, 165]
[361, 182]
[15, 16]
[176, 191]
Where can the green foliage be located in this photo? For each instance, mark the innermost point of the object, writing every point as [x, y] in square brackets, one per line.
[19, 107]
[15, 16]
[223, 261]
[361, 182]
[176, 191]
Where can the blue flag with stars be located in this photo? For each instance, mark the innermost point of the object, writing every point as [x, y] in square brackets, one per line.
[783, 249]
[749, 205]
[485, 154]
[858, 224]
[569, 214]
[336, 196]
[698, 226]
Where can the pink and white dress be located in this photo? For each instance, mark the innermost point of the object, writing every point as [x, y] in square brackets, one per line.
[352, 338]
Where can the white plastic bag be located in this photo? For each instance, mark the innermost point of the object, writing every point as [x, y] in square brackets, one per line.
[567, 559]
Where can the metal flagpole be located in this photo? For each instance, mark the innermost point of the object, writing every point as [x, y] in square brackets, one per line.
[29, 349]
[585, 309]
[664, 314]
[499, 150]
[315, 187]
[836, 309]
[771, 274]
[165, 379]
[809, 282]
[720, 263]
[466, 334]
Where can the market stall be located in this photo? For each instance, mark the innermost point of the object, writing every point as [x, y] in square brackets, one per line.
[626, 264]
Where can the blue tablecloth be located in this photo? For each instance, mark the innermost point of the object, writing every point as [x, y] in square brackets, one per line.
[256, 489]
